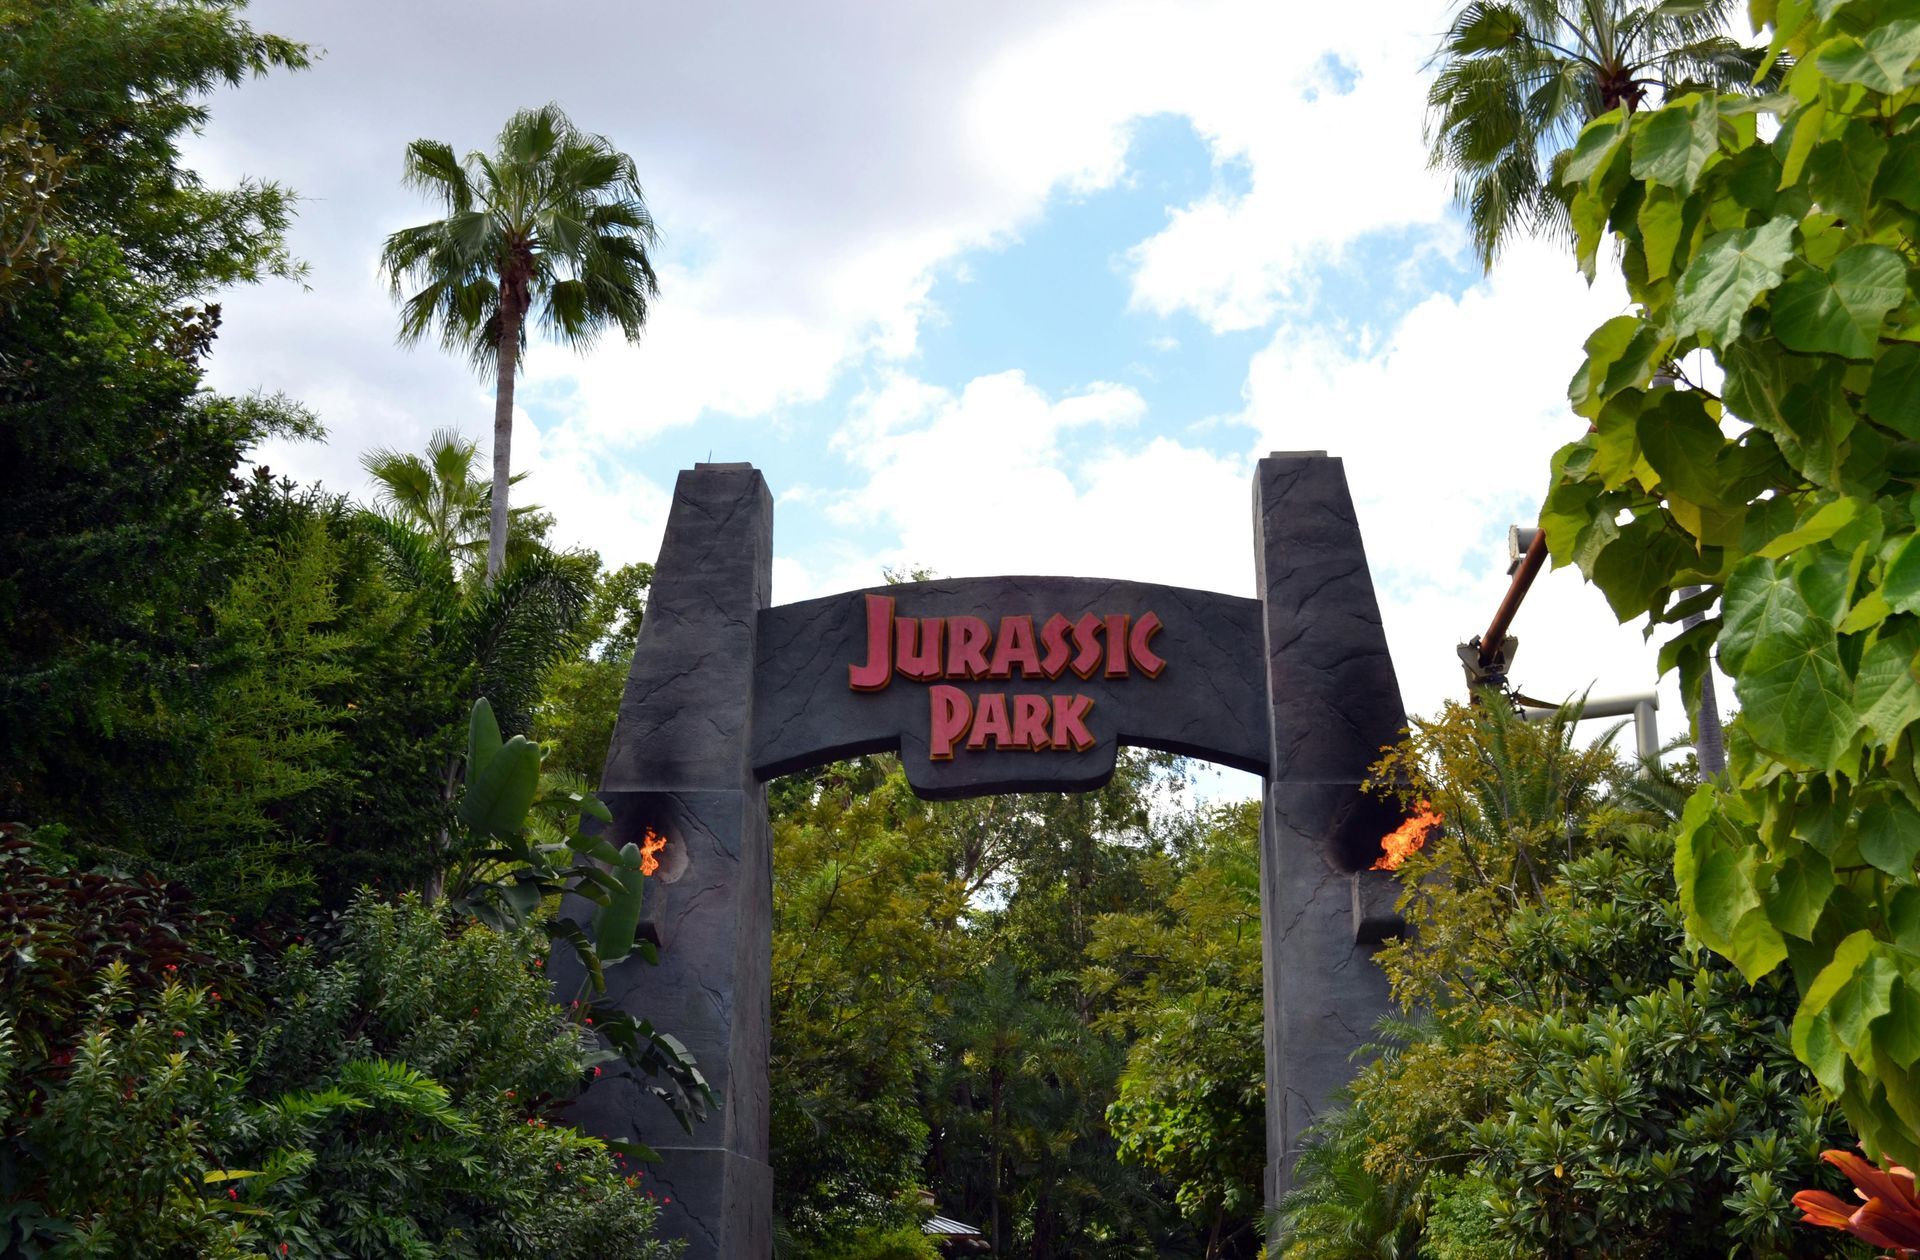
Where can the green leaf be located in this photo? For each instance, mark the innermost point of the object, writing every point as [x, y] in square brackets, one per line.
[1817, 1045]
[1758, 601]
[1899, 178]
[1796, 700]
[498, 797]
[1865, 997]
[1681, 442]
[619, 919]
[1847, 959]
[1882, 62]
[1693, 843]
[1756, 946]
[1898, 1035]
[1660, 217]
[633, 1150]
[1800, 890]
[1901, 585]
[1604, 348]
[1841, 171]
[1671, 145]
[1840, 311]
[1639, 564]
[1726, 890]
[1799, 133]
[1598, 142]
[1822, 525]
[1728, 275]
[1889, 836]
[1886, 693]
[1893, 394]
[483, 735]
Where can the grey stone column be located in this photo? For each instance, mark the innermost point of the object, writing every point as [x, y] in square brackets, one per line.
[1334, 703]
[679, 763]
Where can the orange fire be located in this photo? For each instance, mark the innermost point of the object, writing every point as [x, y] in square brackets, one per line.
[1407, 838]
[650, 844]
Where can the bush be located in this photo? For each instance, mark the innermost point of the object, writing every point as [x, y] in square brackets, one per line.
[902, 1242]
[1575, 1079]
[385, 1089]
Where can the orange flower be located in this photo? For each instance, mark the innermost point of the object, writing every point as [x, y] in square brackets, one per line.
[1889, 1212]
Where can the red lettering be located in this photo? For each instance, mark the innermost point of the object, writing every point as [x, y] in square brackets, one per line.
[878, 671]
[1054, 636]
[952, 714]
[990, 719]
[1144, 658]
[1087, 660]
[1030, 722]
[1117, 645]
[917, 647]
[1015, 646]
[1070, 722]
[967, 639]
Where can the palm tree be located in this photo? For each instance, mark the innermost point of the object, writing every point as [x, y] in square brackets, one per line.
[439, 495]
[552, 225]
[1518, 79]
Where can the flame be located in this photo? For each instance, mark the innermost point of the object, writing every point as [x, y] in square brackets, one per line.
[1407, 838]
[650, 844]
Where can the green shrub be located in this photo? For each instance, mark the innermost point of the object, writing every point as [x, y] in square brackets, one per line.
[1460, 1223]
[902, 1242]
[1575, 1079]
[385, 1089]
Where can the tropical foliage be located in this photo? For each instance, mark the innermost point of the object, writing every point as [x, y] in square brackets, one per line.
[1572, 1079]
[1768, 243]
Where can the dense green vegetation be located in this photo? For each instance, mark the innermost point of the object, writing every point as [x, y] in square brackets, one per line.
[1045, 1011]
[1780, 483]
[1573, 1078]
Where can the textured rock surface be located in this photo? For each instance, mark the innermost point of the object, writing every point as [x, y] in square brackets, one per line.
[679, 763]
[1334, 703]
[1204, 703]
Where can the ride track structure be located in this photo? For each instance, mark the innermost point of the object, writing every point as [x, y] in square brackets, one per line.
[985, 685]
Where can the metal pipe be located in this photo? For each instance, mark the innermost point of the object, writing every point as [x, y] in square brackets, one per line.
[1640, 706]
[1503, 616]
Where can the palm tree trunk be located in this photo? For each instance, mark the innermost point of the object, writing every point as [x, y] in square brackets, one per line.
[508, 356]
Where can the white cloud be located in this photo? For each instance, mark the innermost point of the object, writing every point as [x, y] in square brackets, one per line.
[815, 167]
[1446, 426]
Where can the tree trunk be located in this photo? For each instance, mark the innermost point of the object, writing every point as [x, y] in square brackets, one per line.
[508, 356]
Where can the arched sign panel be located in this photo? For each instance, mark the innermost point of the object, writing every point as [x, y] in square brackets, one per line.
[983, 685]
[1010, 684]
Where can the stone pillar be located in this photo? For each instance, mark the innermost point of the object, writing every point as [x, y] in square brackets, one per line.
[1334, 703]
[679, 763]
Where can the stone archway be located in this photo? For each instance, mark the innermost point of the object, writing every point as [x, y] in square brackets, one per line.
[987, 685]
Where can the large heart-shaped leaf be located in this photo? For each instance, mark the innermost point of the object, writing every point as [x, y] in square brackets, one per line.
[1883, 61]
[1841, 171]
[1674, 142]
[1840, 310]
[1893, 393]
[1728, 276]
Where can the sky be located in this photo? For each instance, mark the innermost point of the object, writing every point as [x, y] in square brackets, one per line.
[982, 288]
